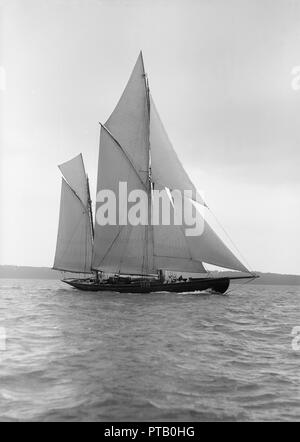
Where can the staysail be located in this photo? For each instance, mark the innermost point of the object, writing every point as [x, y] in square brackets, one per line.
[74, 241]
[167, 170]
[135, 149]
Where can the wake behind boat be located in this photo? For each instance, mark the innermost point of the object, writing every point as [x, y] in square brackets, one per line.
[137, 157]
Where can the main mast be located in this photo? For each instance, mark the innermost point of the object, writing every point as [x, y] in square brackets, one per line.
[149, 233]
[90, 207]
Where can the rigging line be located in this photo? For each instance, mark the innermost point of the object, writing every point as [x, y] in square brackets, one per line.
[229, 238]
[112, 244]
[149, 230]
[78, 272]
[124, 248]
[125, 154]
[181, 259]
[87, 237]
[189, 251]
[90, 208]
[77, 196]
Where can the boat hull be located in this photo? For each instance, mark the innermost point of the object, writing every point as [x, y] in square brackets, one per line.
[218, 285]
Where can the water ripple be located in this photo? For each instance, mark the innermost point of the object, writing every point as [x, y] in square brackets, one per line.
[76, 356]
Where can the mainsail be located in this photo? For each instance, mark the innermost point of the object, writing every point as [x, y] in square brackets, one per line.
[74, 241]
[124, 157]
[135, 149]
[118, 249]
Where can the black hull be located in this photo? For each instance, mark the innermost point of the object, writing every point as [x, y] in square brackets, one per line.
[217, 285]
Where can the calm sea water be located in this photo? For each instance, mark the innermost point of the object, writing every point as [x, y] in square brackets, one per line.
[82, 356]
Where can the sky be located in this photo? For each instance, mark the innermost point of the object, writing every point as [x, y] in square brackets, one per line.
[221, 76]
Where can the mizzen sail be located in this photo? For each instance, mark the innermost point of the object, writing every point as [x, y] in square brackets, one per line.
[74, 241]
[74, 173]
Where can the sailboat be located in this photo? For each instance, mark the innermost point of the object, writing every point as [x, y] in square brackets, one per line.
[126, 258]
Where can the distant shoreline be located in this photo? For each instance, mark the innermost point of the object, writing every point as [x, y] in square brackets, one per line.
[21, 272]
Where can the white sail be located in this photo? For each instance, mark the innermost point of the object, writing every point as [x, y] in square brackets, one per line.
[119, 249]
[124, 157]
[74, 241]
[209, 248]
[131, 140]
[167, 170]
[171, 248]
[129, 122]
[172, 252]
[74, 173]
